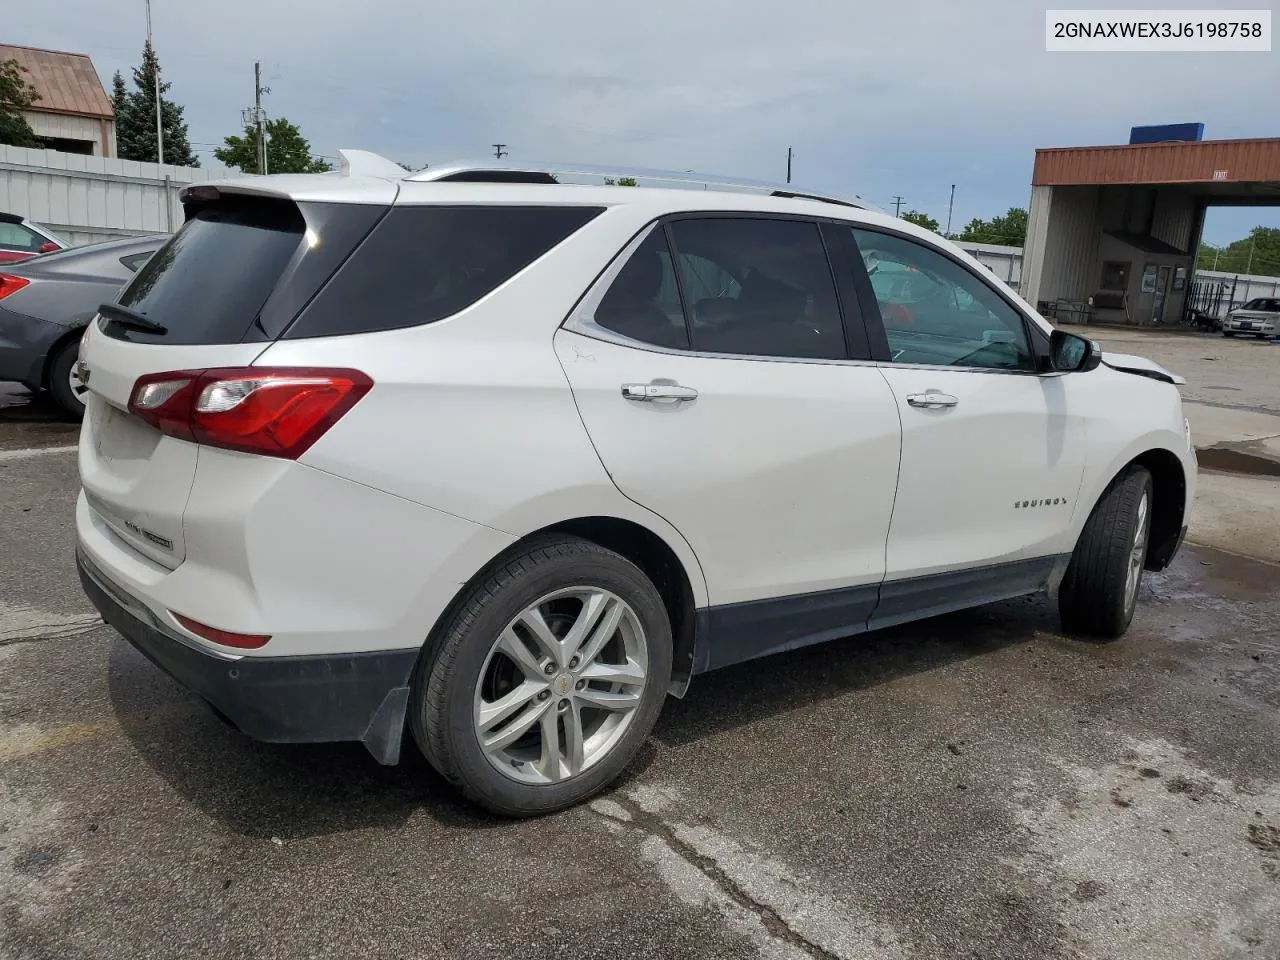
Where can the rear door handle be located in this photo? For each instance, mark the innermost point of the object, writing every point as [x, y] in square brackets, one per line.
[649, 392]
[932, 400]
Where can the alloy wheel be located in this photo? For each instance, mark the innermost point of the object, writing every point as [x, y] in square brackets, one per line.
[561, 685]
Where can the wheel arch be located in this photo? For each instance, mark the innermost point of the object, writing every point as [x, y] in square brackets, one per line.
[1169, 506]
[1169, 509]
[71, 335]
[679, 586]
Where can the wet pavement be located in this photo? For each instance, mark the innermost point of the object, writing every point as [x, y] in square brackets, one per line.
[974, 786]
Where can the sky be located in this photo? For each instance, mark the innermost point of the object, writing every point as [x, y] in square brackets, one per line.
[881, 100]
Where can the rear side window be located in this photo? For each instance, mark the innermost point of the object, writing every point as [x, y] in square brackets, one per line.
[209, 282]
[133, 263]
[14, 236]
[643, 302]
[425, 263]
[759, 288]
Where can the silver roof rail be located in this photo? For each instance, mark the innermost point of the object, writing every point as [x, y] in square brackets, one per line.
[510, 171]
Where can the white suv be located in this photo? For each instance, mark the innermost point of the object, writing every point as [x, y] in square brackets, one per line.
[506, 461]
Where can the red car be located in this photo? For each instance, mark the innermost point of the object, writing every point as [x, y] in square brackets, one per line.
[21, 239]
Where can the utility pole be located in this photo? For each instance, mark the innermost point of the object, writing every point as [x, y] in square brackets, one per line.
[897, 205]
[1249, 269]
[498, 151]
[159, 117]
[950, 206]
[256, 117]
[788, 164]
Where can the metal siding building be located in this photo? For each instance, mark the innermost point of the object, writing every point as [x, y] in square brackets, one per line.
[73, 114]
[1118, 227]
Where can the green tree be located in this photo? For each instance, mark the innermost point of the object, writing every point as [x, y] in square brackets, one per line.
[136, 122]
[16, 95]
[1008, 230]
[921, 220]
[287, 150]
[620, 182]
[1258, 254]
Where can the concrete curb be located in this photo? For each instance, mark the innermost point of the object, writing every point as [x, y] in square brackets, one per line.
[1246, 458]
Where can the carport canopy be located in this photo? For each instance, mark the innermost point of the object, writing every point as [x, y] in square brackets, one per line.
[1119, 225]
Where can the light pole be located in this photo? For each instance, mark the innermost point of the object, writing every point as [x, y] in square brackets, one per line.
[159, 119]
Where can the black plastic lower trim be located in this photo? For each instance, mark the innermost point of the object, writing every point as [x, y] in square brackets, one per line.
[357, 696]
[737, 632]
[930, 596]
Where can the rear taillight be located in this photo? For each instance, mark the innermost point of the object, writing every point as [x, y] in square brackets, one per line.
[11, 284]
[275, 411]
[241, 641]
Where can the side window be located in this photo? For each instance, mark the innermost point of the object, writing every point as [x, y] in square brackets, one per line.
[14, 236]
[937, 312]
[758, 288]
[134, 261]
[643, 302]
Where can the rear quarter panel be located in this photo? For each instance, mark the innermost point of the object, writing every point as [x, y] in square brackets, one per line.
[473, 415]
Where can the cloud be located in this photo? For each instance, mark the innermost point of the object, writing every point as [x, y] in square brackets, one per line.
[903, 98]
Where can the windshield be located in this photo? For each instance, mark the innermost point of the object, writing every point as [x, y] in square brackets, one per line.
[1269, 305]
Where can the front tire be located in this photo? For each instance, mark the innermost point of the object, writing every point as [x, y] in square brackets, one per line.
[545, 680]
[1100, 590]
[1228, 333]
[67, 389]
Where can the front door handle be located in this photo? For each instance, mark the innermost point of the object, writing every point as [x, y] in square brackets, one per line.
[932, 400]
[650, 392]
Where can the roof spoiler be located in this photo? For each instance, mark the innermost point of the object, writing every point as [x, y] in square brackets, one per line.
[364, 163]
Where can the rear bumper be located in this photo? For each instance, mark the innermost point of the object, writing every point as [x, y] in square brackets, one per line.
[305, 699]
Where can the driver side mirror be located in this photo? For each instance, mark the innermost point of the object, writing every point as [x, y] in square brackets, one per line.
[1071, 354]
[49, 247]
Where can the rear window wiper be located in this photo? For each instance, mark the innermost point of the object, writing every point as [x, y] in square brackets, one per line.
[130, 318]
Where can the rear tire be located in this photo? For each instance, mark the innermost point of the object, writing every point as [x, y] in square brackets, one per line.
[1227, 333]
[1100, 590]
[61, 379]
[584, 711]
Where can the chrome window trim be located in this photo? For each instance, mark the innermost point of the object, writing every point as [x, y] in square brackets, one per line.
[581, 320]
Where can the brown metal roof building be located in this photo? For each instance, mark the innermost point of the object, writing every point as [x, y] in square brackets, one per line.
[1120, 225]
[74, 113]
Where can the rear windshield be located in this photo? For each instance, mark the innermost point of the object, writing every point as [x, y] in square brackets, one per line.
[425, 263]
[209, 282]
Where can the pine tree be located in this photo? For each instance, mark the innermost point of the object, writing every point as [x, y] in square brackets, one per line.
[136, 120]
[121, 105]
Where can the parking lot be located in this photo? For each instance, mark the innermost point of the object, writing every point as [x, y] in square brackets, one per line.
[976, 785]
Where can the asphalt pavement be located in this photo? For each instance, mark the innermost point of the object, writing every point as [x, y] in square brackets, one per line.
[977, 785]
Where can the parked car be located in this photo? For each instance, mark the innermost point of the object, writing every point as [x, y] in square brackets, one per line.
[506, 462]
[45, 304]
[21, 239]
[1259, 317]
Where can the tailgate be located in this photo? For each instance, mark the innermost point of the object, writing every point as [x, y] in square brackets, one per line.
[201, 300]
[135, 479]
